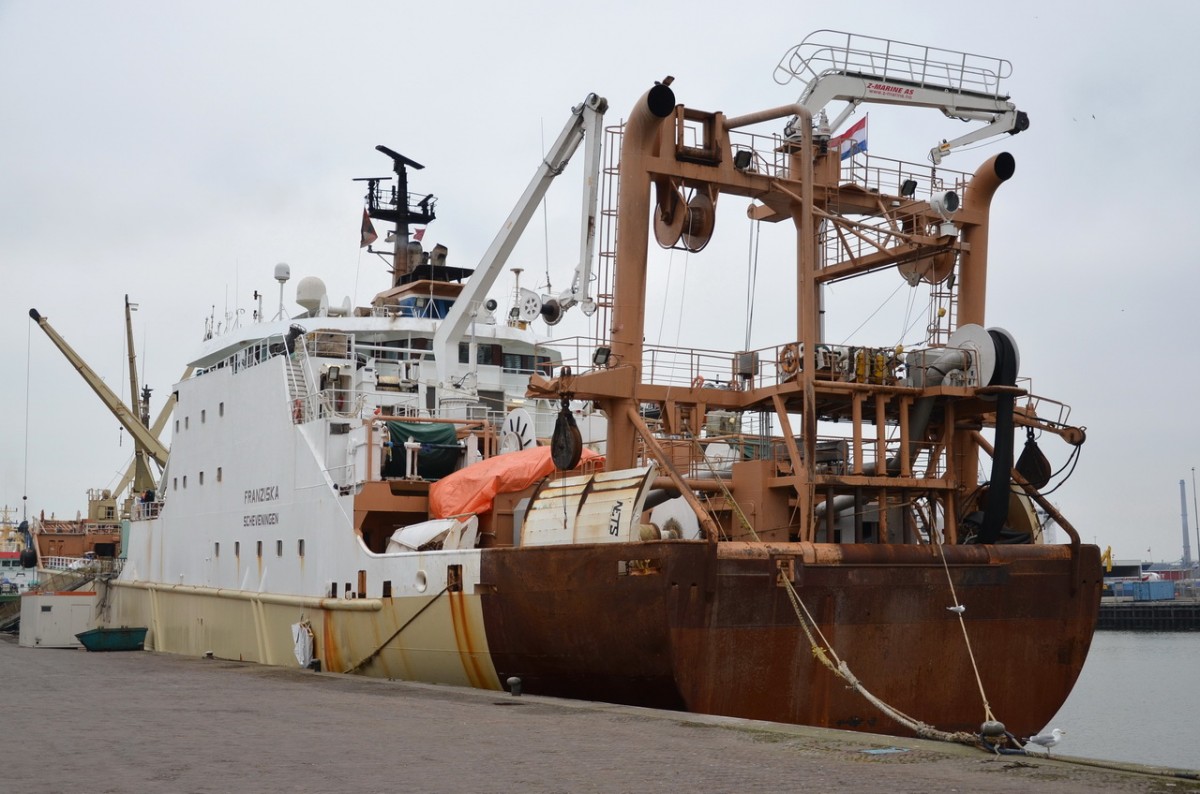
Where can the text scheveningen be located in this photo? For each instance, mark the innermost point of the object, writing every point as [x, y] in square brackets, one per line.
[260, 520]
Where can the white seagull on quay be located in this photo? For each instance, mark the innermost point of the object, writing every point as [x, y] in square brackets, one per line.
[1048, 740]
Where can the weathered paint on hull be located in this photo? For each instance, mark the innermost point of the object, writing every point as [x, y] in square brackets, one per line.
[435, 638]
[689, 626]
[714, 632]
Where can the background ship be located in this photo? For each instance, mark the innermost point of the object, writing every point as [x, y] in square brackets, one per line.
[18, 561]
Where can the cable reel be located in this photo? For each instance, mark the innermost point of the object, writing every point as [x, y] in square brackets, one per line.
[691, 221]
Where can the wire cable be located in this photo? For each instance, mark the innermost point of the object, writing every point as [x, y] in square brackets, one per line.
[28, 378]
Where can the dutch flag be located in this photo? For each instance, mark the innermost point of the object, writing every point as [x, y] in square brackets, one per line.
[853, 140]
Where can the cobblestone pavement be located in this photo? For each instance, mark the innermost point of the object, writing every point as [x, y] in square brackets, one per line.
[150, 722]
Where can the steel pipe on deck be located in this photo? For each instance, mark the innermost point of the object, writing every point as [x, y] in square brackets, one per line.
[275, 599]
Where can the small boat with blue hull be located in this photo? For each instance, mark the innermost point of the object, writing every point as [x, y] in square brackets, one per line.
[125, 638]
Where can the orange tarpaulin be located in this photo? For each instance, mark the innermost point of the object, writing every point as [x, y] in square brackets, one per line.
[472, 489]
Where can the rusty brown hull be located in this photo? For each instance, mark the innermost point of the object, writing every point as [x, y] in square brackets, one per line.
[711, 629]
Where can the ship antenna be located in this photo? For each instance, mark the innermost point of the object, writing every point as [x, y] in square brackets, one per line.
[399, 212]
[282, 274]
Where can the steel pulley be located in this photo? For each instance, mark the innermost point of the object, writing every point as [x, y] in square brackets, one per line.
[699, 222]
[670, 214]
[566, 443]
[1032, 464]
[690, 222]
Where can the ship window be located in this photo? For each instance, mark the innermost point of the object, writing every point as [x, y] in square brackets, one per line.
[218, 474]
[485, 355]
[175, 483]
[217, 549]
[186, 422]
[185, 481]
[300, 547]
[202, 478]
[333, 589]
[203, 415]
[387, 588]
[237, 548]
[176, 425]
[260, 549]
[279, 548]
[220, 409]
[492, 400]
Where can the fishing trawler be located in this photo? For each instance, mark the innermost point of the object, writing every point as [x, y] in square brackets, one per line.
[841, 562]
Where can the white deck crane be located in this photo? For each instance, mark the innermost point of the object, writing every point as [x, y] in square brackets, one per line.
[847, 67]
[585, 125]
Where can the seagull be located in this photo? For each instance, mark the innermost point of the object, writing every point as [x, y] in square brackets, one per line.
[1048, 740]
[957, 609]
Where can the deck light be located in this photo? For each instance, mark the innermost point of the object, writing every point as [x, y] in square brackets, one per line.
[944, 204]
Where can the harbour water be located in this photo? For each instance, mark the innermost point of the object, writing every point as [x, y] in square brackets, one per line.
[1137, 699]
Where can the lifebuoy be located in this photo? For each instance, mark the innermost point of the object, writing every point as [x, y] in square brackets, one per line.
[697, 381]
[789, 359]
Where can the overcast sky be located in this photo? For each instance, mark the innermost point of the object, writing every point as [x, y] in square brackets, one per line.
[176, 151]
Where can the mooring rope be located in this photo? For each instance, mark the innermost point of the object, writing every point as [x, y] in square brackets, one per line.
[958, 610]
[362, 662]
[828, 657]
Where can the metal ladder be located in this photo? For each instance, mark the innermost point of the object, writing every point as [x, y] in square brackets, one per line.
[298, 391]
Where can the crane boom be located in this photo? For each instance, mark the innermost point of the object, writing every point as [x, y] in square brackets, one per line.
[585, 117]
[142, 436]
[852, 68]
[164, 415]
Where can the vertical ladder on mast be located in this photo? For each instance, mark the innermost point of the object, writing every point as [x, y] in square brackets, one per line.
[943, 311]
[607, 233]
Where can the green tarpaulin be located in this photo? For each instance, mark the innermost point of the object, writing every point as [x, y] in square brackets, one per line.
[439, 453]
